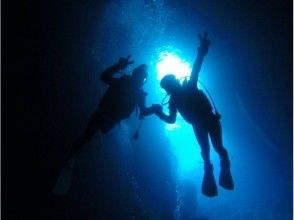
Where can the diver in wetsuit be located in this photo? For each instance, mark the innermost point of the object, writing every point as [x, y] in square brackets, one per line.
[196, 109]
[122, 97]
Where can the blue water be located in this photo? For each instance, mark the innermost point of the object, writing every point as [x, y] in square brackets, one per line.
[248, 76]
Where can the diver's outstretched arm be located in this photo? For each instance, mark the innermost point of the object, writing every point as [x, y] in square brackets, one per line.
[107, 75]
[202, 51]
[170, 118]
[145, 111]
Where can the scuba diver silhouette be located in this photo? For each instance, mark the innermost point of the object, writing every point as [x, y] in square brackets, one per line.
[123, 96]
[196, 109]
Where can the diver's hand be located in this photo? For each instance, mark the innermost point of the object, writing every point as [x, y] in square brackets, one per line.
[157, 109]
[204, 44]
[124, 62]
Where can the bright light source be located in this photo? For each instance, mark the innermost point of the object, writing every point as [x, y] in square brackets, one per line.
[181, 134]
[170, 63]
[171, 127]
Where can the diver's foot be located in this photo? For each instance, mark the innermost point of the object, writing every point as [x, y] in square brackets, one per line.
[209, 187]
[225, 179]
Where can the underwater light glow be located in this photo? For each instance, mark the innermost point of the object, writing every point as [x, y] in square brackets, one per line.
[171, 127]
[180, 133]
[171, 63]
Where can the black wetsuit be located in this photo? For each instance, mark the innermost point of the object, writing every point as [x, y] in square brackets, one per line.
[196, 109]
[192, 104]
[120, 100]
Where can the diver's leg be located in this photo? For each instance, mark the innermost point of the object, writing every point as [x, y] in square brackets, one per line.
[64, 180]
[215, 133]
[83, 139]
[91, 128]
[202, 138]
[208, 183]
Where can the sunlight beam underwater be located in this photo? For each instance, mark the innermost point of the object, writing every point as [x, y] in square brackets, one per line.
[180, 133]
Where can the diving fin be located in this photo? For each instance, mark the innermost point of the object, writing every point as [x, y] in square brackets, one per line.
[225, 179]
[209, 187]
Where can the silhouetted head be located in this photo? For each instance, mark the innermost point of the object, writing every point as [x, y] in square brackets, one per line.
[139, 75]
[169, 83]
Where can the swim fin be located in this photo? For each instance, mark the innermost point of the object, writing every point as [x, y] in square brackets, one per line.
[225, 179]
[209, 187]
